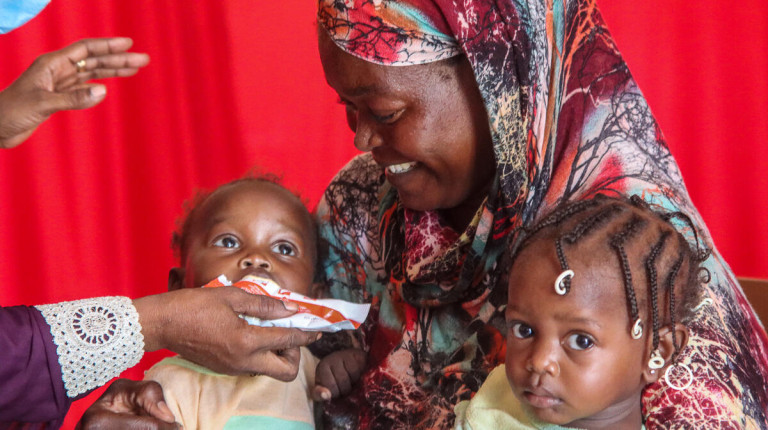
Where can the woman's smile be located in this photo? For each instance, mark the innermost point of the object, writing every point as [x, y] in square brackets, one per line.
[396, 169]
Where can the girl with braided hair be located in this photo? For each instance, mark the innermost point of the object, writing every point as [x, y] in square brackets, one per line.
[599, 294]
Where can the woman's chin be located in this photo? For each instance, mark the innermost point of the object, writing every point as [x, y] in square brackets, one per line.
[416, 202]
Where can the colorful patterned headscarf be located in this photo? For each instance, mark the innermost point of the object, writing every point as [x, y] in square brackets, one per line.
[568, 122]
[392, 33]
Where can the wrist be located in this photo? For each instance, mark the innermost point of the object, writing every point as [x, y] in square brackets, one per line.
[150, 319]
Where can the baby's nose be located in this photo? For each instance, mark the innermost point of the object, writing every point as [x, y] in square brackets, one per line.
[255, 259]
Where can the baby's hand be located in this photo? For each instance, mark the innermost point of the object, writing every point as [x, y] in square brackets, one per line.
[337, 372]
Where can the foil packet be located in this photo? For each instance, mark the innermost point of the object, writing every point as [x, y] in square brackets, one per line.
[328, 315]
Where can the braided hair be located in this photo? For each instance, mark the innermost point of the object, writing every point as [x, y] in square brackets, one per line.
[630, 223]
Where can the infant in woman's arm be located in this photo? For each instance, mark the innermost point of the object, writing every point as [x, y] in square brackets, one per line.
[599, 294]
[249, 227]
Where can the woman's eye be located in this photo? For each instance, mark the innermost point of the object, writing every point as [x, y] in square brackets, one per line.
[580, 342]
[285, 249]
[521, 330]
[387, 118]
[227, 242]
[347, 105]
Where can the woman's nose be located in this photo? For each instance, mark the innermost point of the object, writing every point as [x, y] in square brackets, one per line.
[255, 259]
[366, 137]
[543, 359]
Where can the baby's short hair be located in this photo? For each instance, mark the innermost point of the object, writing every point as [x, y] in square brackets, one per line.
[185, 224]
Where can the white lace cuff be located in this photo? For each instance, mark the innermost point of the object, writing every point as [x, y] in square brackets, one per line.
[96, 339]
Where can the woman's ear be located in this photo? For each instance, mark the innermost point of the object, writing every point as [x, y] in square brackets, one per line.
[175, 279]
[666, 349]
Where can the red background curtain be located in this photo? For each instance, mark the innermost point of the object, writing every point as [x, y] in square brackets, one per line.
[87, 205]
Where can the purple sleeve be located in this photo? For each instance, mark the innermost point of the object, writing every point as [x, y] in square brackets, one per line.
[31, 386]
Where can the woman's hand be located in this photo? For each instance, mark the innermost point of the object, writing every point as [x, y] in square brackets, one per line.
[337, 373]
[129, 404]
[202, 324]
[59, 81]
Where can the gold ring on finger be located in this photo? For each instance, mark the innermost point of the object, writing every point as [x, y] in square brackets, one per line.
[80, 66]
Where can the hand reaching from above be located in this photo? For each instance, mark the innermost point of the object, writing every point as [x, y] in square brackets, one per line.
[129, 404]
[203, 326]
[337, 373]
[59, 81]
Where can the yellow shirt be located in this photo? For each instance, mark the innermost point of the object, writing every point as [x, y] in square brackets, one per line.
[203, 399]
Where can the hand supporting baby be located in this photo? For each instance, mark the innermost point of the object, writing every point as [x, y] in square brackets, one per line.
[337, 373]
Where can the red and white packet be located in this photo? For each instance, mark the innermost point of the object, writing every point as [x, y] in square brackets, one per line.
[329, 315]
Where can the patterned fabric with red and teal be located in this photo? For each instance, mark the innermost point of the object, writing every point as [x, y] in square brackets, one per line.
[568, 122]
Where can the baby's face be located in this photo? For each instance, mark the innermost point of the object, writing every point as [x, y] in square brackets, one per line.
[571, 359]
[252, 228]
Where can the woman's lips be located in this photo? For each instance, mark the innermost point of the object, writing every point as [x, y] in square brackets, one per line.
[398, 169]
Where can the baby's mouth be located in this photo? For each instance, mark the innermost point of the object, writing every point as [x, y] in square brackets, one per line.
[541, 399]
[257, 272]
[398, 169]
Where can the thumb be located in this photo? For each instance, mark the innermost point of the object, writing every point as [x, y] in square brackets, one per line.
[80, 97]
[263, 307]
[160, 410]
[321, 394]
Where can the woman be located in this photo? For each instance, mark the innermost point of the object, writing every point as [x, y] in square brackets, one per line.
[419, 224]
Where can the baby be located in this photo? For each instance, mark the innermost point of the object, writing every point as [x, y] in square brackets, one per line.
[251, 226]
[599, 292]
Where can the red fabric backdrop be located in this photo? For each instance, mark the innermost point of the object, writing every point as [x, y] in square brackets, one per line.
[89, 202]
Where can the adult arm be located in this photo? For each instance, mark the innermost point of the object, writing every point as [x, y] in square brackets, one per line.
[59, 81]
[65, 350]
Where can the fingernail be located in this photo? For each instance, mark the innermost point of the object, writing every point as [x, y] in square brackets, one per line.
[291, 306]
[325, 395]
[98, 91]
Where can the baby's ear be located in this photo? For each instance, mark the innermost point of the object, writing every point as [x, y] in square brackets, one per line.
[175, 279]
[666, 349]
[316, 290]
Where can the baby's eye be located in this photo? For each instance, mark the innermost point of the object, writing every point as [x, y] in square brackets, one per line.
[227, 241]
[284, 248]
[580, 342]
[521, 330]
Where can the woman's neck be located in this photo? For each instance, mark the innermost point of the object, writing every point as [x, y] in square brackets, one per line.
[459, 217]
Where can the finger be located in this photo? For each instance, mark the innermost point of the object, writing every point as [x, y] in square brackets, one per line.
[283, 366]
[127, 61]
[325, 378]
[80, 97]
[83, 56]
[321, 394]
[105, 73]
[160, 410]
[280, 338]
[259, 306]
[341, 376]
[151, 401]
[82, 49]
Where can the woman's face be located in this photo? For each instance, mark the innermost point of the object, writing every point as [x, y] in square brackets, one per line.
[425, 125]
